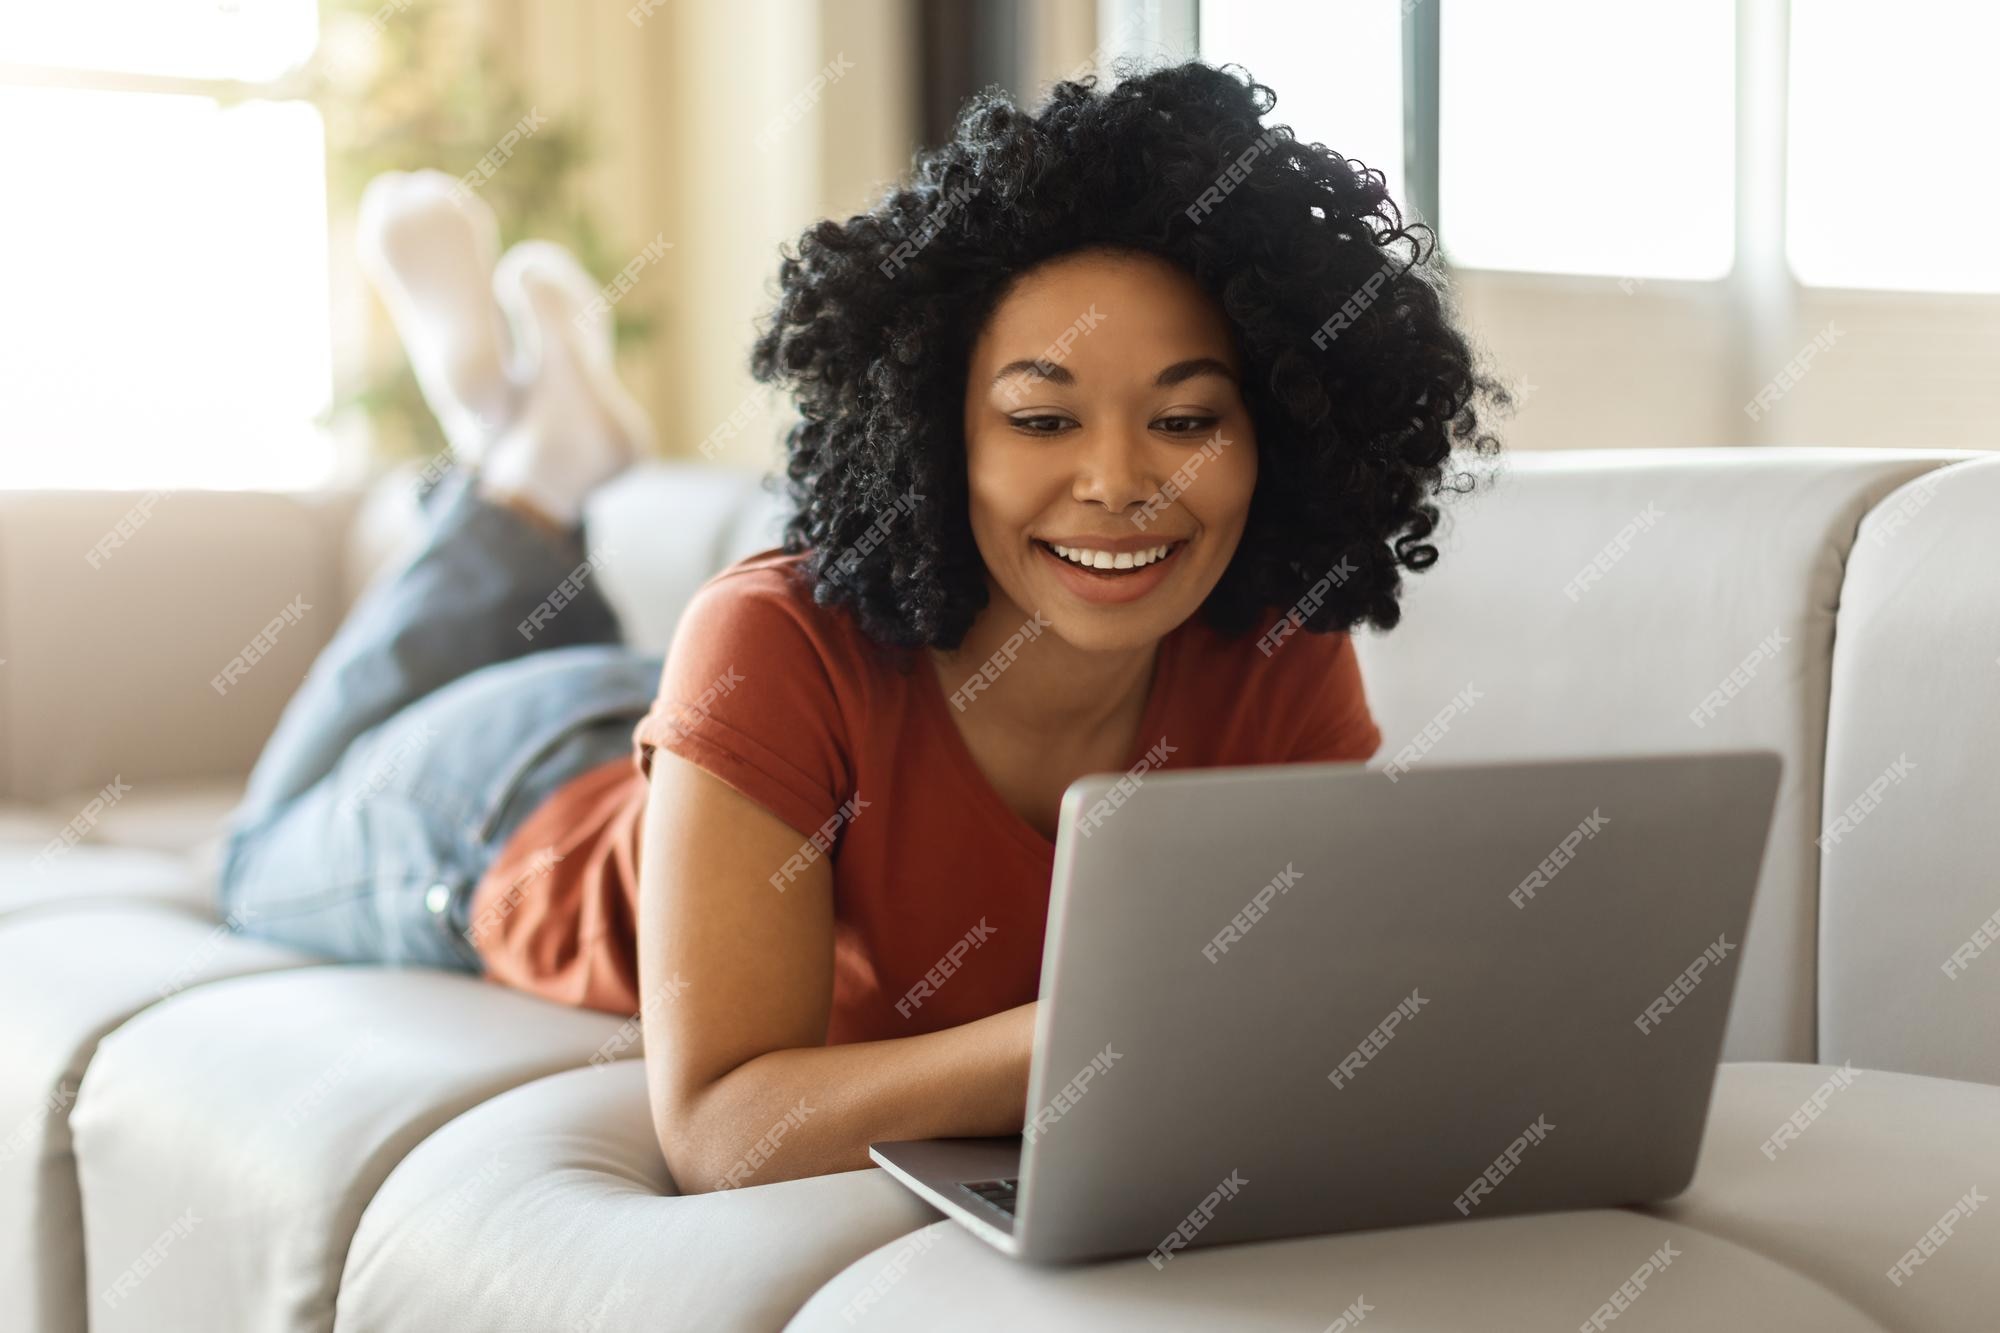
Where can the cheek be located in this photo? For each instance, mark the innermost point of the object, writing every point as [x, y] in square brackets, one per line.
[1007, 488]
[1220, 496]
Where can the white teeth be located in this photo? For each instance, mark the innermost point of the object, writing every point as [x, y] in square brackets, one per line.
[1106, 560]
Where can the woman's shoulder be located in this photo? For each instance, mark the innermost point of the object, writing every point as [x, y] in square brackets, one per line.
[772, 576]
[764, 603]
[760, 687]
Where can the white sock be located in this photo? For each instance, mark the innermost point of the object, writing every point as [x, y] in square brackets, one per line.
[576, 427]
[428, 246]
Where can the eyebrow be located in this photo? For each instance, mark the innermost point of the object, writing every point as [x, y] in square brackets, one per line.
[1180, 372]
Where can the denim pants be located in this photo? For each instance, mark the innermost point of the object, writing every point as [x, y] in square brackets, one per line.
[460, 692]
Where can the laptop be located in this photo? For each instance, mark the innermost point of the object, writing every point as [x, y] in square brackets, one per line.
[1292, 999]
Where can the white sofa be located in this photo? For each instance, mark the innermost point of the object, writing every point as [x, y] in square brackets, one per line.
[200, 1131]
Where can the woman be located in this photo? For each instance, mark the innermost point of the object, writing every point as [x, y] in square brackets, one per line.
[1113, 421]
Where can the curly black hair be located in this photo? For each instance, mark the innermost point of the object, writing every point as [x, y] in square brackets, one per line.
[1356, 378]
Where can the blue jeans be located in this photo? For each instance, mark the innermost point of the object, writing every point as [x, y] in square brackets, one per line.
[438, 718]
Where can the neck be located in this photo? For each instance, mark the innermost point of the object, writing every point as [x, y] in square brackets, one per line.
[1049, 687]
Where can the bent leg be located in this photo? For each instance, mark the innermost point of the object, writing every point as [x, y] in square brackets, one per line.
[378, 859]
[484, 587]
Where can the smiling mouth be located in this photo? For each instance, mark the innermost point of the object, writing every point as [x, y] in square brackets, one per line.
[1160, 555]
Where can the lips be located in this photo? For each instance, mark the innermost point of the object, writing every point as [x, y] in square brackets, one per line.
[1112, 586]
[1113, 551]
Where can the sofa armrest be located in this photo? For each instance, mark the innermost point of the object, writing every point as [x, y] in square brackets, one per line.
[123, 616]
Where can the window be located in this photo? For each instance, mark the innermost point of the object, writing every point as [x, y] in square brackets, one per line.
[1581, 83]
[1880, 189]
[1337, 70]
[164, 252]
[1621, 120]
[194, 39]
[1617, 119]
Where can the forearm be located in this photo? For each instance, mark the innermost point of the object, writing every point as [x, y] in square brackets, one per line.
[813, 1110]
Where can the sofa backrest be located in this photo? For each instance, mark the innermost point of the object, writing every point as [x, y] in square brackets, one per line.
[121, 613]
[1619, 602]
[1910, 874]
[662, 532]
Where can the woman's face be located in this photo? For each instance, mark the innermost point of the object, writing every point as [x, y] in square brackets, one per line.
[1102, 414]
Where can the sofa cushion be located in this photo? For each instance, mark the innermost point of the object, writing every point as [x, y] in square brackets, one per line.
[1839, 1174]
[183, 817]
[1601, 602]
[1506, 1275]
[68, 976]
[1910, 906]
[31, 879]
[1801, 1236]
[550, 1207]
[228, 1138]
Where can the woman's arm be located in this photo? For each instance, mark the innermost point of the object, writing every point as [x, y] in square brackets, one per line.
[736, 985]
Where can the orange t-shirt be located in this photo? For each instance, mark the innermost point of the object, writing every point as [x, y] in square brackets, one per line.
[789, 703]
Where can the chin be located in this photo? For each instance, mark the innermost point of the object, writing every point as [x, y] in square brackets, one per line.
[1115, 629]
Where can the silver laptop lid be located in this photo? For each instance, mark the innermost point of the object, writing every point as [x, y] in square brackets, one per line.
[1291, 999]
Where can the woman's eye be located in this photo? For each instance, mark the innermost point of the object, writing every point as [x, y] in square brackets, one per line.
[1056, 425]
[1044, 425]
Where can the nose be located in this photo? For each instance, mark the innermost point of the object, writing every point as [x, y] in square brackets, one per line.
[1114, 468]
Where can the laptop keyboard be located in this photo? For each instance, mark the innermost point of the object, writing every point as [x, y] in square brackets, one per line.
[999, 1193]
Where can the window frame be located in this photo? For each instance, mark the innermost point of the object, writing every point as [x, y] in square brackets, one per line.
[1759, 297]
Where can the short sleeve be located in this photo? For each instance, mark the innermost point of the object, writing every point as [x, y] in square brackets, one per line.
[1336, 725]
[747, 694]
